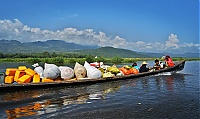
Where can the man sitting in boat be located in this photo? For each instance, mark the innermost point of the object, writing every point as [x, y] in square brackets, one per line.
[169, 62]
[144, 67]
[157, 65]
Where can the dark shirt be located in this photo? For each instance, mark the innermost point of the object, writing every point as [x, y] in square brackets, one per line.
[157, 66]
[143, 68]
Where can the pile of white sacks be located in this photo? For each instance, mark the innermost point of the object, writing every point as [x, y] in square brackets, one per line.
[52, 71]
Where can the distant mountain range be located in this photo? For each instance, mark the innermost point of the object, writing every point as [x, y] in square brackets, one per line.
[14, 46]
[184, 55]
[112, 52]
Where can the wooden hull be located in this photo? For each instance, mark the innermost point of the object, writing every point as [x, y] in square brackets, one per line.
[7, 87]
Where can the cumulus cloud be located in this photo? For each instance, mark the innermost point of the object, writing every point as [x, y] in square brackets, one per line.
[16, 30]
[172, 42]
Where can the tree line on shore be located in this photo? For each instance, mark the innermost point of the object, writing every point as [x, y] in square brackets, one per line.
[42, 55]
[60, 58]
[56, 58]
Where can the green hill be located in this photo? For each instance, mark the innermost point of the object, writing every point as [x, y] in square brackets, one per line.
[14, 46]
[111, 52]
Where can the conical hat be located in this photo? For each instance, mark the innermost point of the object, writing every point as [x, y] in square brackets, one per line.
[144, 63]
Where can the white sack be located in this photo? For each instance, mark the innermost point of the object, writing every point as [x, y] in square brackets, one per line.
[51, 71]
[79, 70]
[92, 72]
[66, 72]
[39, 70]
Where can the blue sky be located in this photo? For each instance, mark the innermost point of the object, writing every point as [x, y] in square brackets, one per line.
[138, 25]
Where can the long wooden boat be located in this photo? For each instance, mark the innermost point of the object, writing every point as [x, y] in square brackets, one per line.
[6, 87]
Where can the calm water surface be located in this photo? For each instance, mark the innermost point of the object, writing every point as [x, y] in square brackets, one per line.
[169, 96]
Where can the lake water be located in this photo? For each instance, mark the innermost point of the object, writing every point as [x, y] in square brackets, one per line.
[169, 96]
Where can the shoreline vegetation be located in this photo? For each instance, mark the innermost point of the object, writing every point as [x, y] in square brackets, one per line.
[61, 58]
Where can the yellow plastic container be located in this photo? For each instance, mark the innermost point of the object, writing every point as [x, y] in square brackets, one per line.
[11, 71]
[9, 79]
[24, 79]
[18, 74]
[21, 68]
[36, 78]
[47, 80]
[30, 72]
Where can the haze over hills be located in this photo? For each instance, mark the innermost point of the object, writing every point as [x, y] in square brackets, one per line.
[112, 52]
[14, 46]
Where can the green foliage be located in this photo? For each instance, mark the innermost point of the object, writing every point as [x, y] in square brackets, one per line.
[2, 55]
[89, 58]
[34, 60]
[56, 60]
[116, 59]
[72, 61]
[46, 60]
[100, 59]
[59, 60]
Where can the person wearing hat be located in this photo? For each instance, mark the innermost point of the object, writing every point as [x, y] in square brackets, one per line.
[144, 67]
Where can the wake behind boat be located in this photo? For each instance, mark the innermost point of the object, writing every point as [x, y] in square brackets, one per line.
[6, 87]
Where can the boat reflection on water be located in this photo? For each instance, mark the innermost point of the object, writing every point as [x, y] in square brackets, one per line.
[41, 102]
[23, 111]
[52, 105]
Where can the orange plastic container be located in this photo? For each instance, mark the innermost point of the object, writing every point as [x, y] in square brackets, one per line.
[9, 79]
[30, 72]
[18, 74]
[36, 78]
[11, 71]
[25, 79]
[47, 80]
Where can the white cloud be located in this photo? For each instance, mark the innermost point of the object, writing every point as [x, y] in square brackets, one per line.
[16, 30]
[172, 42]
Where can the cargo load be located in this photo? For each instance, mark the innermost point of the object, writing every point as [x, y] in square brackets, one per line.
[113, 70]
[66, 72]
[30, 72]
[25, 79]
[95, 64]
[11, 71]
[92, 72]
[19, 74]
[47, 80]
[79, 70]
[36, 78]
[133, 70]
[125, 71]
[108, 74]
[51, 71]
[39, 70]
[21, 68]
[9, 79]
